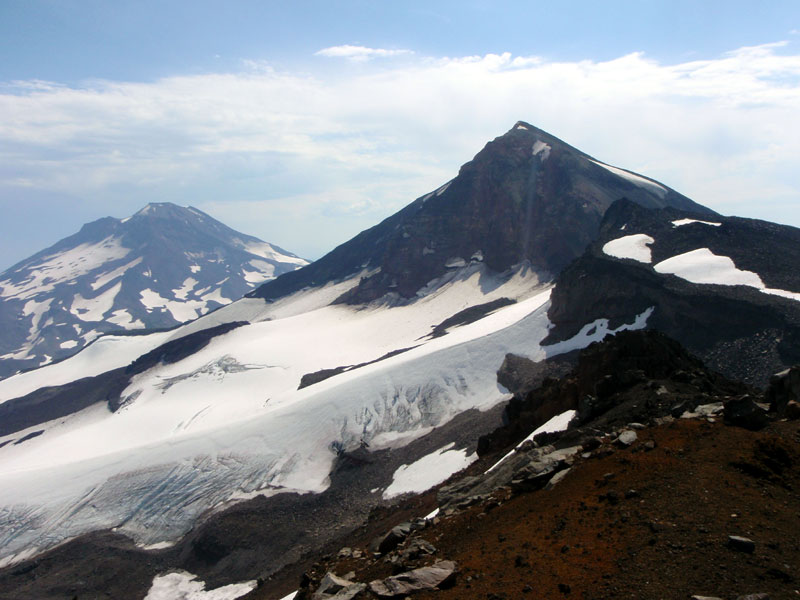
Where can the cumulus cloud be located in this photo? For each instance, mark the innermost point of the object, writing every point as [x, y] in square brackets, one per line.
[334, 154]
[360, 53]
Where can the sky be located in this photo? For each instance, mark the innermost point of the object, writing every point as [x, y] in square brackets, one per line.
[305, 122]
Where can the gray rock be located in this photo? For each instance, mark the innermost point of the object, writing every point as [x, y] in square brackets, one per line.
[425, 578]
[333, 587]
[626, 438]
[416, 548]
[555, 479]
[696, 597]
[392, 539]
[741, 544]
[753, 597]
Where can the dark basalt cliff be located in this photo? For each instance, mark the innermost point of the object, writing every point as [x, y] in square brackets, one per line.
[737, 330]
[527, 196]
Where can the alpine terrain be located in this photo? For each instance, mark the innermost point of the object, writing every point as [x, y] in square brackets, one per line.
[161, 267]
[279, 443]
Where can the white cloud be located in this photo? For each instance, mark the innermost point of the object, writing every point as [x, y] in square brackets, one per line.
[327, 151]
[360, 53]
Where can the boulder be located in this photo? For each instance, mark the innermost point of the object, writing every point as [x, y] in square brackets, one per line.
[392, 539]
[784, 387]
[744, 412]
[626, 438]
[741, 544]
[438, 575]
[333, 587]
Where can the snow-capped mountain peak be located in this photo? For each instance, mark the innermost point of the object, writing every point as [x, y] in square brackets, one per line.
[158, 268]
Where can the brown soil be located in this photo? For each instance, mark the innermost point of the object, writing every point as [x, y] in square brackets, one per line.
[632, 524]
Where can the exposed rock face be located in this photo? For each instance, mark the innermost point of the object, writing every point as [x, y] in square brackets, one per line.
[738, 330]
[424, 578]
[527, 196]
[620, 381]
[156, 269]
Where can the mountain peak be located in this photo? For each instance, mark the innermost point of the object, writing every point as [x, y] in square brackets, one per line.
[160, 267]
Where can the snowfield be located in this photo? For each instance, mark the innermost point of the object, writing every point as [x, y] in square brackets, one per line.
[634, 247]
[703, 266]
[230, 422]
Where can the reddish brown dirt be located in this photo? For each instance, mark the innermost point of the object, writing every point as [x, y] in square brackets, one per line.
[662, 534]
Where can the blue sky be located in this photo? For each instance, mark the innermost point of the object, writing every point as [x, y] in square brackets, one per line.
[306, 122]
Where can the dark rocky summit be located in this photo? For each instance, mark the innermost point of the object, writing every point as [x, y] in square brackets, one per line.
[526, 197]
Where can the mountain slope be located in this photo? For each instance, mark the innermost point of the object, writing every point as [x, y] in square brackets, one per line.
[354, 360]
[156, 269]
[727, 288]
[527, 196]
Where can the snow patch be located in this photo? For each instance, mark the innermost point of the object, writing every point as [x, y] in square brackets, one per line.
[682, 222]
[68, 344]
[703, 266]
[443, 189]
[64, 266]
[188, 285]
[94, 309]
[102, 280]
[428, 471]
[540, 148]
[634, 247]
[642, 182]
[125, 320]
[185, 586]
[595, 332]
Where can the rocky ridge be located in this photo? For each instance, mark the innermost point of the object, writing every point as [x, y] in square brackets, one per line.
[512, 204]
[671, 482]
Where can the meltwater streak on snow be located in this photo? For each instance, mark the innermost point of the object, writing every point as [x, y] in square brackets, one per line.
[682, 222]
[558, 423]
[635, 179]
[181, 585]
[155, 493]
[631, 246]
[703, 266]
[428, 471]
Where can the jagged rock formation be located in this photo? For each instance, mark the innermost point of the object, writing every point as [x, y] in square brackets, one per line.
[156, 269]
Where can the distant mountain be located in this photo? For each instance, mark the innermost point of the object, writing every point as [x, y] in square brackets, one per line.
[156, 269]
[526, 197]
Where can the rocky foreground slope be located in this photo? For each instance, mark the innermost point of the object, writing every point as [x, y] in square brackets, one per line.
[671, 482]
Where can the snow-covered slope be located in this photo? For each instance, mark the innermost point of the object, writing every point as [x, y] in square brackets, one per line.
[160, 267]
[230, 421]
